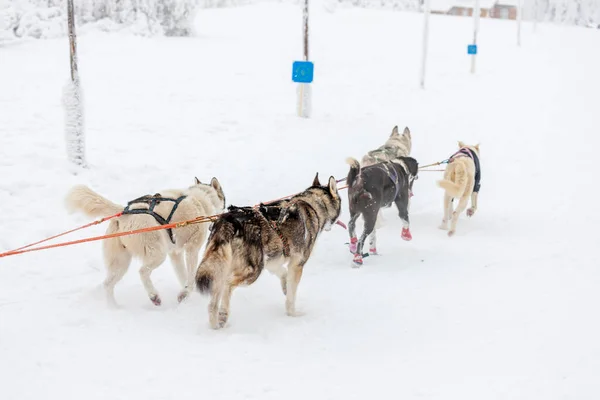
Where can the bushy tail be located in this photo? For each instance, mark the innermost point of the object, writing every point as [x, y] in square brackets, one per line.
[456, 189]
[214, 267]
[204, 280]
[82, 198]
[353, 177]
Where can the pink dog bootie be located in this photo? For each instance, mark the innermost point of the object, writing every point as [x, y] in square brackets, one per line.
[353, 244]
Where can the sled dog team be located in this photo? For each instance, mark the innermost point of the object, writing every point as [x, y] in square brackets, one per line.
[279, 236]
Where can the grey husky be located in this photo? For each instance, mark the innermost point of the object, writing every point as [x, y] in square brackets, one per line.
[396, 146]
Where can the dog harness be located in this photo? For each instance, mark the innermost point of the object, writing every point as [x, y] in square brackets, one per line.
[466, 152]
[275, 226]
[151, 202]
[393, 175]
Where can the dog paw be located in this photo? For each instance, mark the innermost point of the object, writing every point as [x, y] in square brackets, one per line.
[373, 252]
[223, 316]
[470, 212]
[443, 226]
[155, 299]
[406, 235]
[182, 295]
[357, 261]
[294, 313]
[451, 233]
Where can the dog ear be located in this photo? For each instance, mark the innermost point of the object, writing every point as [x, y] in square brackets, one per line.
[197, 181]
[332, 185]
[316, 180]
[477, 147]
[395, 131]
[406, 132]
[461, 144]
[214, 182]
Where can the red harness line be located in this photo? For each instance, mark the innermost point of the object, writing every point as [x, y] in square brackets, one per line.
[197, 220]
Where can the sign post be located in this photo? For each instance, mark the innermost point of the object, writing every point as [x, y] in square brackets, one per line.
[535, 19]
[302, 72]
[425, 41]
[472, 49]
[72, 100]
[519, 16]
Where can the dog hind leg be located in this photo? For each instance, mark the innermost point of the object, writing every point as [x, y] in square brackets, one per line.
[471, 211]
[213, 306]
[152, 260]
[117, 260]
[373, 241]
[370, 220]
[447, 212]
[462, 204]
[179, 266]
[276, 267]
[224, 306]
[402, 205]
[191, 262]
[352, 231]
[293, 279]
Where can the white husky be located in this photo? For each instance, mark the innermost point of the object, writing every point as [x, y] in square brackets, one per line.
[152, 247]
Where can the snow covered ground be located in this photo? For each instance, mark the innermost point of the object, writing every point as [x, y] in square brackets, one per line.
[506, 309]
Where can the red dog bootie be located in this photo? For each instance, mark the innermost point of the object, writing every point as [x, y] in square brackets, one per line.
[357, 261]
[406, 234]
[353, 244]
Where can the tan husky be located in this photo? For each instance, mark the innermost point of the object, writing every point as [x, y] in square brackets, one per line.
[461, 181]
[152, 247]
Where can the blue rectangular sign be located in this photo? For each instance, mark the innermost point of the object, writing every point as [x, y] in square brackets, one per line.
[302, 71]
[472, 49]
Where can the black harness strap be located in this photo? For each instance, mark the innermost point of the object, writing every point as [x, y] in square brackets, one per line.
[151, 202]
[471, 154]
[275, 226]
[393, 175]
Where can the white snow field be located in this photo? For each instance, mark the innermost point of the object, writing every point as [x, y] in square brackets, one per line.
[505, 309]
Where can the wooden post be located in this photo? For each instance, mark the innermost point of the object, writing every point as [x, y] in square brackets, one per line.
[72, 40]
[425, 41]
[519, 16]
[305, 28]
[304, 94]
[72, 101]
[476, 15]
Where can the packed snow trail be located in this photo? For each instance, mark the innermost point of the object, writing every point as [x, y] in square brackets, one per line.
[503, 310]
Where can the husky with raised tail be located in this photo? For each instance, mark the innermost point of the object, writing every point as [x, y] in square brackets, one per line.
[462, 180]
[245, 240]
[375, 187]
[152, 247]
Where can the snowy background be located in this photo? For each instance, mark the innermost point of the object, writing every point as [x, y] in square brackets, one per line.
[47, 18]
[507, 309]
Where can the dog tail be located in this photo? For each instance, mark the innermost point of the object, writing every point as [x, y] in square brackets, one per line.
[353, 177]
[457, 188]
[82, 198]
[217, 258]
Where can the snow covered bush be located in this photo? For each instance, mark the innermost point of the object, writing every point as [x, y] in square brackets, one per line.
[572, 12]
[47, 18]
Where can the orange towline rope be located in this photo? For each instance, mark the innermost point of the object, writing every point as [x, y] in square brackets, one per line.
[197, 220]
[99, 221]
[24, 249]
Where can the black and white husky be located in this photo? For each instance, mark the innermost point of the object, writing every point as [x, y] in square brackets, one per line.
[372, 188]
